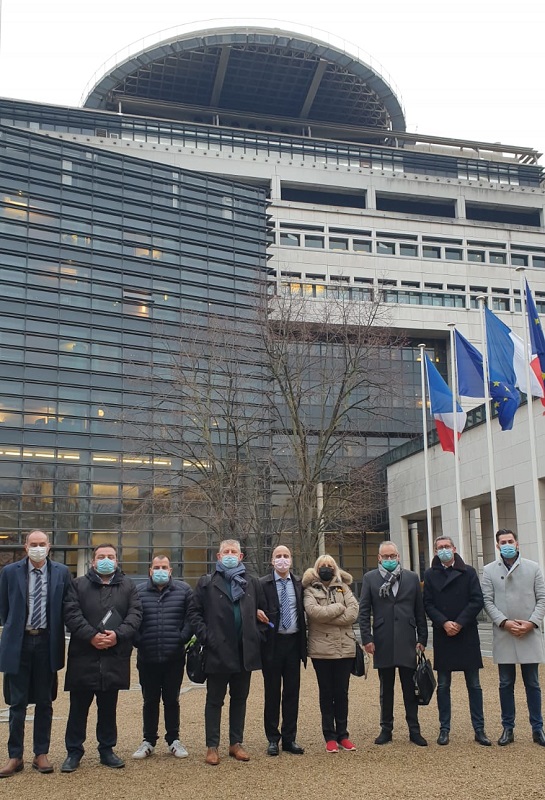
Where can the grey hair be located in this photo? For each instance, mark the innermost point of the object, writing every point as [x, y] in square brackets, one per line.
[384, 543]
[232, 542]
[443, 539]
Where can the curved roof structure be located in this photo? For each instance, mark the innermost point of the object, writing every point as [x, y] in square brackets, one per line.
[240, 73]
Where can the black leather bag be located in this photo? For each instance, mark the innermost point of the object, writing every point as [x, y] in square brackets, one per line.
[359, 666]
[195, 662]
[424, 680]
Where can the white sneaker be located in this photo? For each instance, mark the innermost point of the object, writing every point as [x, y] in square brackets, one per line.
[146, 749]
[177, 749]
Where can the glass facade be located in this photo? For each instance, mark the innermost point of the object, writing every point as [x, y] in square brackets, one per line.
[106, 261]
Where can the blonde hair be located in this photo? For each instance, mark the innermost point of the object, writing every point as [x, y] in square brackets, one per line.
[329, 560]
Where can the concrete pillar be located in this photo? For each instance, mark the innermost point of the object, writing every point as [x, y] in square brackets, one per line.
[275, 188]
[415, 550]
[370, 197]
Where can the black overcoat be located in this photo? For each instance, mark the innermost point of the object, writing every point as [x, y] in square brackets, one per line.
[87, 601]
[272, 608]
[398, 622]
[212, 617]
[454, 595]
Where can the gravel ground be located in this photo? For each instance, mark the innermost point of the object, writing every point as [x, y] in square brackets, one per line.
[398, 770]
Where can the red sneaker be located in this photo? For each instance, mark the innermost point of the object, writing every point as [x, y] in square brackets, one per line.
[332, 747]
[346, 744]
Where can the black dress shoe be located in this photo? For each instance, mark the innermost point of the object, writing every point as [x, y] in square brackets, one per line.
[384, 737]
[539, 737]
[109, 759]
[70, 764]
[443, 737]
[417, 738]
[293, 747]
[273, 749]
[482, 738]
[506, 737]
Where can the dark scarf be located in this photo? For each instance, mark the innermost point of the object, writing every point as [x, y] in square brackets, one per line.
[235, 578]
[389, 579]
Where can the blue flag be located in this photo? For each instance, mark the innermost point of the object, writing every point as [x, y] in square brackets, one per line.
[469, 366]
[501, 351]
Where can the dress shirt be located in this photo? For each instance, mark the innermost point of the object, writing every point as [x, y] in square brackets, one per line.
[32, 584]
[292, 600]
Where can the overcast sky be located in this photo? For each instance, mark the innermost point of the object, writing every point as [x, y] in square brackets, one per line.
[468, 69]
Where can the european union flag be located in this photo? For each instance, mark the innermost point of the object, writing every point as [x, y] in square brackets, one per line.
[501, 370]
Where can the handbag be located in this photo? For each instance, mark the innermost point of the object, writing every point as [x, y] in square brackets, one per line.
[360, 663]
[424, 680]
[195, 662]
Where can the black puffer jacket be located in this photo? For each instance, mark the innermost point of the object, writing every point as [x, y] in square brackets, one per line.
[86, 603]
[165, 627]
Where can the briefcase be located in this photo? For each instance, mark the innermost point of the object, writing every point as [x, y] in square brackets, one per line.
[424, 680]
[195, 662]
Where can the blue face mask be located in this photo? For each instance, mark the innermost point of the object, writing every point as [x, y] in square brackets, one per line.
[508, 550]
[105, 566]
[390, 564]
[160, 576]
[445, 554]
[229, 562]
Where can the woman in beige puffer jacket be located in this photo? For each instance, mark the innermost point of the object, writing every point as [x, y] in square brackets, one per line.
[331, 610]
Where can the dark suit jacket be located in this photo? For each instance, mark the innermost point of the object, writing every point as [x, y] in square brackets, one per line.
[454, 594]
[398, 622]
[14, 612]
[272, 609]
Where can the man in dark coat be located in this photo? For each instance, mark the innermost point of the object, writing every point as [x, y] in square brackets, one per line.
[393, 597]
[161, 643]
[224, 613]
[284, 648]
[32, 646]
[102, 611]
[452, 600]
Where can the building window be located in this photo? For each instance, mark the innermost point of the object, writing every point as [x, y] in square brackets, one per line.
[498, 258]
[338, 244]
[408, 249]
[518, 260]
[453, 254]
[361, 246]
[290, 239]
[475, 255]
[431, 252]
[314, 241]
[386, 248]
[538, 262]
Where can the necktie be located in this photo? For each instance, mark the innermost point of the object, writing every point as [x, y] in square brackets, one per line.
[285, 610]
[37, 611]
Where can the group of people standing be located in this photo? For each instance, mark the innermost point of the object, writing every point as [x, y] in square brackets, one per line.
[246, 624]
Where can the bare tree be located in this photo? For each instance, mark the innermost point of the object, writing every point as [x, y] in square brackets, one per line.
[331, 376]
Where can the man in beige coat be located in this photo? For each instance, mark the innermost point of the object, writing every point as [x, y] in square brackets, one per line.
[514, 599]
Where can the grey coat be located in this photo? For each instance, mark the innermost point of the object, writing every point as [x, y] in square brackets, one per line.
[517, 593]
[399, 621]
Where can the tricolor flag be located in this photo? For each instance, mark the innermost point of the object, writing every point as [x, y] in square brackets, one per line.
[442, 409]
[501, 369]
[537, 341]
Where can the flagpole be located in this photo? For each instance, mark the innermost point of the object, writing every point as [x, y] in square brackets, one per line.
[422, 348]
[531, 426]
[459, 509]
[492, 477]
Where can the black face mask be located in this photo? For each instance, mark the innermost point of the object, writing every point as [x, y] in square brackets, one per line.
[326, 573]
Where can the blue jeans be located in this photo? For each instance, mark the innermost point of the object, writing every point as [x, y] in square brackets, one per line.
[475, 695]
[530, 676]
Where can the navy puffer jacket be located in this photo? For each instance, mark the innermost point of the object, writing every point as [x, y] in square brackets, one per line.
[165, 627]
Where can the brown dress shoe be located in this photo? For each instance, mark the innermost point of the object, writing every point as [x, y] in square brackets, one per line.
[212, 757]
[14, 765]
[237, 751]
[42, 764]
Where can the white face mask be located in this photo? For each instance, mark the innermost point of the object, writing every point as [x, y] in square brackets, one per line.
[37, 553]
[282, 562]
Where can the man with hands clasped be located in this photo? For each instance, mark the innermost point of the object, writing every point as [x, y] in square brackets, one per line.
[514, 599]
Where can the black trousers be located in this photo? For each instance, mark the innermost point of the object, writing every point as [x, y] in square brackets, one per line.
[282, 679]
[33, 683]
[76, 728]
[216, 689]
[387, 680]
[333, 676]
[162, 679]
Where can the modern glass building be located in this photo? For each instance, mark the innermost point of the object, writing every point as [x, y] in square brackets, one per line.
[147, 220]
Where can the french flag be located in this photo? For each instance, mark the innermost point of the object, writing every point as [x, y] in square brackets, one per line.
[441, 408]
